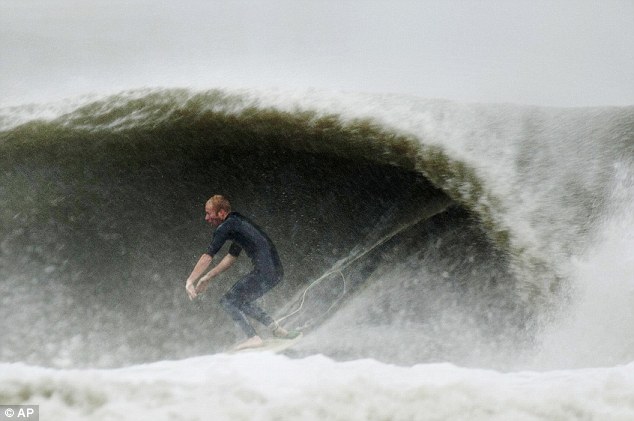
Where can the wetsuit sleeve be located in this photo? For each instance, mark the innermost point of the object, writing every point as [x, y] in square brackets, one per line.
[217, 241]
[235, 250]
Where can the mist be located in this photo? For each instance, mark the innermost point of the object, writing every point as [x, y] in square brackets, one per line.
[566, 53]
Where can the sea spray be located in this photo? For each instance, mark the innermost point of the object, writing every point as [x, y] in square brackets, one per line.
[595, 328]
[101, 206]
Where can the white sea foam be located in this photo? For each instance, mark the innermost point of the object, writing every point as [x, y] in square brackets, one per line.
[269, 387]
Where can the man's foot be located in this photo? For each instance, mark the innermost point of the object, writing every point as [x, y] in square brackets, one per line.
[252, 342]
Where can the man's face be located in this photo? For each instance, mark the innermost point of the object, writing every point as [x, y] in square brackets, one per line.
[213, 216]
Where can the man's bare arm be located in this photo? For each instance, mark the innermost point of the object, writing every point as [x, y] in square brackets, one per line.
[223, 265]
[202, 265]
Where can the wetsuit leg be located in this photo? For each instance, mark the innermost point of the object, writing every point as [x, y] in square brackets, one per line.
[239, 300]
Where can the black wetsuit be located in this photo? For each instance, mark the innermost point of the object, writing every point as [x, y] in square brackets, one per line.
[267, 269]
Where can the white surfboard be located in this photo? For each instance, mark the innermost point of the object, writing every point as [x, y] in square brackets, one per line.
[271, 345]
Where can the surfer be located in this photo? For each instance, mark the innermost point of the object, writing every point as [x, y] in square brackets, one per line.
[267, 269]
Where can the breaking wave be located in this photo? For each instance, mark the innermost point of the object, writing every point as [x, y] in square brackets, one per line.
[444, 228]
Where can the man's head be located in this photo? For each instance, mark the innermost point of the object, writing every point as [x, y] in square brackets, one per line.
[216, 210]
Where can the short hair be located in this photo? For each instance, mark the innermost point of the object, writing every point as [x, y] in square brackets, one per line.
[219, 202]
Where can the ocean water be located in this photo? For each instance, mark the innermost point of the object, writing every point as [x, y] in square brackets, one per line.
[445, 260]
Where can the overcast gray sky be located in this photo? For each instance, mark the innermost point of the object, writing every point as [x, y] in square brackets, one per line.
[570, 53]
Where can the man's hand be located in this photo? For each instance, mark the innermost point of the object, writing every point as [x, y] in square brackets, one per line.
[202, 285]
[191, 291]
